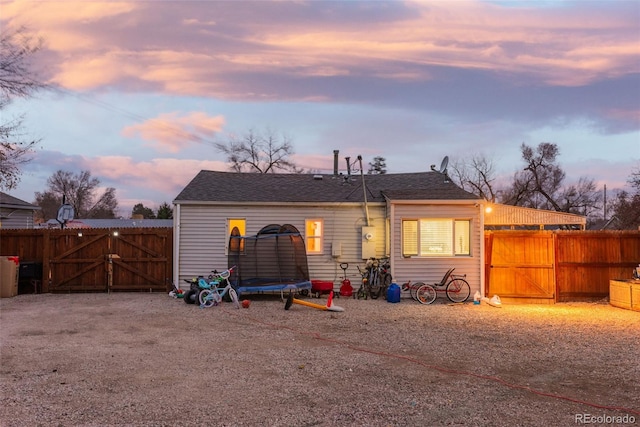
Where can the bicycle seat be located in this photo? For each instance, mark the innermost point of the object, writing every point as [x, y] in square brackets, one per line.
[445, 277]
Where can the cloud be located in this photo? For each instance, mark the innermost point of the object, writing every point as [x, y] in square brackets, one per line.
[435, 56]
[157, 178]
[172, 132]
[193, 48]
[163, 175]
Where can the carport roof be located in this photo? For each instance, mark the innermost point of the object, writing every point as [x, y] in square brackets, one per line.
[507, 215]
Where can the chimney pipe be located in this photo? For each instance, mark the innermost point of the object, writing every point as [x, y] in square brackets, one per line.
[335, 162]
[348, 166]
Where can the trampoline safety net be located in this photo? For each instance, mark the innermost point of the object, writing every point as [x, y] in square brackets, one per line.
[275, 259]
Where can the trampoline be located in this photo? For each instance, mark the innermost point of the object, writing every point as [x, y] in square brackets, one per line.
[275, 259]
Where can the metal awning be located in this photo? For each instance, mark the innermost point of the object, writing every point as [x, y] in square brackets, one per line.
[497, 214]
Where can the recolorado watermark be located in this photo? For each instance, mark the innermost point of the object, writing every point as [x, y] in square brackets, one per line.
[604, 419]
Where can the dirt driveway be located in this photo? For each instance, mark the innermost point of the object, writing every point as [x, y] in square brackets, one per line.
[150, 360]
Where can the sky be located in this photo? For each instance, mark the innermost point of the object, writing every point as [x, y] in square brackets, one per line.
[140, 92]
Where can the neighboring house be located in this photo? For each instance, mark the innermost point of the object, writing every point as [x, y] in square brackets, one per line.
[16, 213]
[422, 221]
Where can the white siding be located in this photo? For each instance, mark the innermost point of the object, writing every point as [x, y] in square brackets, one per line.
[431, 269]
[202, 237]
[16, 218]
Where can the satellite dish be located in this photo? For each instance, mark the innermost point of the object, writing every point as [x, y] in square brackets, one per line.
[444, 164]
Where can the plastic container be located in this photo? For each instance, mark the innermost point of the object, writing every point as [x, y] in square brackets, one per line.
[477, 298]
[393, 293]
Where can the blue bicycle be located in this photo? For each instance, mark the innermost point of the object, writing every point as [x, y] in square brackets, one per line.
[213, 291]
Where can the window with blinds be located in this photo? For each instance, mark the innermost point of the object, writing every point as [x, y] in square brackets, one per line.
[409, 238]
[436, 237]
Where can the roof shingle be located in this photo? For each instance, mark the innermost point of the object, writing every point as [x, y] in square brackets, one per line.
[214, 186]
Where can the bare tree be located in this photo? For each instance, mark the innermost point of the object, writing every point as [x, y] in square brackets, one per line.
[16, 81]
[634, 179]
[626, 206]
[81, 192]
[476, 175]
[261, 153]
[540, 184]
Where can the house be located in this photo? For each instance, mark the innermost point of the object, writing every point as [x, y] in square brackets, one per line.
[422, 221]
[16, 213]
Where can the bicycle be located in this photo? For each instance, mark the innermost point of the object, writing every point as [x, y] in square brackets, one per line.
[455, 286]
[384, 276]
[363, 290]
[212, 293]
[375, 278]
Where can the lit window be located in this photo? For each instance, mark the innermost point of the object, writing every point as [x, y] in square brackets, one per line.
[436, 237]
[314, 229]
[409, 238]
[241, 225]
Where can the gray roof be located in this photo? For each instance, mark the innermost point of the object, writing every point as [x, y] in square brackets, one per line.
[214, 186]
[7, 201]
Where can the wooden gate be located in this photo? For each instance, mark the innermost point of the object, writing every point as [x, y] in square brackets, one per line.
[103, 260]
[520, 265]
[76, 260]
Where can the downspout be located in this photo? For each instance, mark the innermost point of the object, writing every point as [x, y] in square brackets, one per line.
[176, 246]
[364, 189]
[483, 275]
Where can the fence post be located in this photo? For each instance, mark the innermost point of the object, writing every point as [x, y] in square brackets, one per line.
[555, 247]
[46, 256]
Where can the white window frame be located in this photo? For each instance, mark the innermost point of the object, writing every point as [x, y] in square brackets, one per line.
[319, 239]
[228, 229]
[414, 234]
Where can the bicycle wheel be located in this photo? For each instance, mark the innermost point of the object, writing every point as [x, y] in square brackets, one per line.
[413, 289]
[234, 297]
[191, 296]
[374, 288]
[207, 298]
[362, 293]
[458, 290]
[426, 294]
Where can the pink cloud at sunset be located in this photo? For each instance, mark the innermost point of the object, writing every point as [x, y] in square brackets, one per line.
[166, 176]
[171, 132]
[106, 43]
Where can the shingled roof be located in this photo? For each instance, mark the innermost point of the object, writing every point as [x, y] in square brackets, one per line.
[7, 201]
[214, 186]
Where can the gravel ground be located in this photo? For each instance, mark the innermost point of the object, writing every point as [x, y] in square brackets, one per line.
[152, 360]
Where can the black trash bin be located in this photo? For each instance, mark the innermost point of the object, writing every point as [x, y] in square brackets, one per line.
[29, 277]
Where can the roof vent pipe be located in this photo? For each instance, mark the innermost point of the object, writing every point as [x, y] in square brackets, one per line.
[348, 166]
[335, 162]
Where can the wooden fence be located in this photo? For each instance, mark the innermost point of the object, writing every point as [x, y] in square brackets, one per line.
[547, 266]
[531, 266]
[93, 260]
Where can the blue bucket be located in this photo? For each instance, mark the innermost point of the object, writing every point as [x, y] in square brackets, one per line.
[393, 293]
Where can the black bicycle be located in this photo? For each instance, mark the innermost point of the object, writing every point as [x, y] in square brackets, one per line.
[376, 278]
